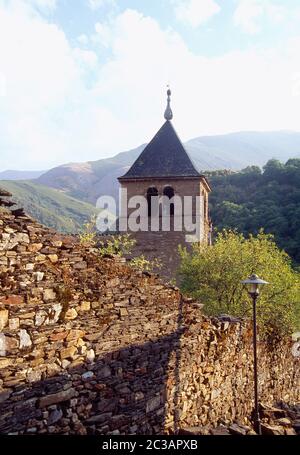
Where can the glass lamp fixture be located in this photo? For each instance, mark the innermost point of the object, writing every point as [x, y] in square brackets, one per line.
[253, 284]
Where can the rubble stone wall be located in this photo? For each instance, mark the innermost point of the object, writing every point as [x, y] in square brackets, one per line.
[89, 345]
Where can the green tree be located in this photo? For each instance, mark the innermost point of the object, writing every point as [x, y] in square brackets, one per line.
[214, 274]
[273, 166]
[248, 201]
[252, 170]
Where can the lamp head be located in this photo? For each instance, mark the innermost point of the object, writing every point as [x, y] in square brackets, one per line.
[253, 284]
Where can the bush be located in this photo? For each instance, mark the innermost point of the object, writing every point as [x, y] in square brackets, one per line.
[143, 264]
[88, 234]
[213, 274]
[115, 245]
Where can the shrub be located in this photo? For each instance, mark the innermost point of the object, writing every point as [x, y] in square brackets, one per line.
[116, 245]
[141, 263]
[88, 234]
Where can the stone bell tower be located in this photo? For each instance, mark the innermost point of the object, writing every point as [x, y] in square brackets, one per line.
[164, 168]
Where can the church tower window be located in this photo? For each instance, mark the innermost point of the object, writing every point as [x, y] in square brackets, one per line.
[151, 192]
[169, 192]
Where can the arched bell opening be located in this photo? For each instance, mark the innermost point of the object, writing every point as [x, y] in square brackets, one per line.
[170, 193]
[151, 192]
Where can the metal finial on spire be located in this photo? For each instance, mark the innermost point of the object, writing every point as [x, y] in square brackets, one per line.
[168, 111]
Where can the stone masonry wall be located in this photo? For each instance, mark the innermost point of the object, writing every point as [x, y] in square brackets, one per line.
[88, 345]
[164, 244]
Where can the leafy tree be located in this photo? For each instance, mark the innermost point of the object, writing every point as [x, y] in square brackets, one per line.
[250, 200]
[214, 274]
[252, 170]
[273, 167]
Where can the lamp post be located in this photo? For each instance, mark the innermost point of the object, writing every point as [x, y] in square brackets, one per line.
[253, 284]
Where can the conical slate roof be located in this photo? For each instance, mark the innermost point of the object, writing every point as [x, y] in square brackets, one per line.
[164, 156]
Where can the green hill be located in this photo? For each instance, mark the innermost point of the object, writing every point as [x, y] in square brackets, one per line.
[50, 207]
[251, 199]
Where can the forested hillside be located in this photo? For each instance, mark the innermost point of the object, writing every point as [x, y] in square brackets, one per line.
[50, 207]
[253, 199]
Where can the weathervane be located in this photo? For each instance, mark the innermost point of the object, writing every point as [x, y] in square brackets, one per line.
[168, 111]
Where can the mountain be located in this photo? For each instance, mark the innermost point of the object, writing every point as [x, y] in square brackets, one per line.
[238, 150]
[87, 181]
[49, 206]
[20, 175]
[64, 197]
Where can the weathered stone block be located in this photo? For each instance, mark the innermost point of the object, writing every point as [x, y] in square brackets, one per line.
[75, 334]
[85, 306]
[14, 323]
[35, 247]
[55, 416]
[272, 430]
[49, 295]
[5, 395]
[3, 319]
[71, 314]
[4, 363]
[58, 336]
[153, 404]
[20, 238]
[39, 276]
[104, 372]
[56, 398]
[68, 353]
[25, 340]
[12, 300]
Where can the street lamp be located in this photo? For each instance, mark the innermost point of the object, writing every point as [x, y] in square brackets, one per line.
[253, 284]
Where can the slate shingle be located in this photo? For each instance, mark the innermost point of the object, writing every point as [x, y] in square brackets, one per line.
[164, 156]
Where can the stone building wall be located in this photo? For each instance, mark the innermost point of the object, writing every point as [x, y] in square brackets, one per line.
[163, 245]
[88, 345]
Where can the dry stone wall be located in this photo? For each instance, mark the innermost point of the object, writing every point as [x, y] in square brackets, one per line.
[89, 345]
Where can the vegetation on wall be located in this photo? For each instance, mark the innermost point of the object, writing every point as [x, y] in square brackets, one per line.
[120, 245]
[253, 199]
[214, 274]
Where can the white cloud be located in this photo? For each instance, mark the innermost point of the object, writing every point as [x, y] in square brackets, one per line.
[195, 12]
[43, 6]
[83, 39]
[85, 58]
[236, 91]
[103, 35]
[246, 15]
[41, 75]
[96, 4]
[48, 4]
[2, 85]
[250, 13]
[63, 103]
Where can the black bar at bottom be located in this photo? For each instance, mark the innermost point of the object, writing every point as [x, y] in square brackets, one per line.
[123, 445]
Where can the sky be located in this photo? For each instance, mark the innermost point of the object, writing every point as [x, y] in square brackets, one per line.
[86, 79]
